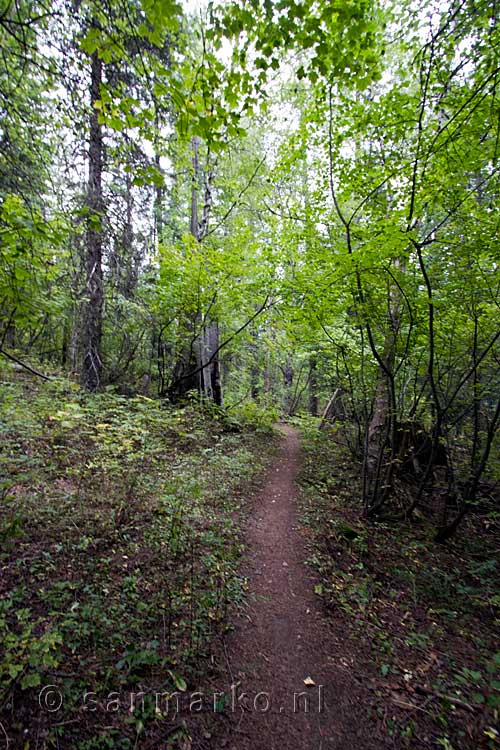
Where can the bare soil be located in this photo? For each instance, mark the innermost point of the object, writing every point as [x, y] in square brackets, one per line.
[282, 640]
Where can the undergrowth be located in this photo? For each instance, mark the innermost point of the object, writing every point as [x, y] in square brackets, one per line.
[119, 559]
[420, 619]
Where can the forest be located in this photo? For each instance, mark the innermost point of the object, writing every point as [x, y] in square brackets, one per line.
[249, 327]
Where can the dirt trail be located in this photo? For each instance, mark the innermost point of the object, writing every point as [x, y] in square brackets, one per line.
[282, 638]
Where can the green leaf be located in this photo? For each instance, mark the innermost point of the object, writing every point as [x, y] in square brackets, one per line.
[179, 682]
[31, 680]
[14, 670]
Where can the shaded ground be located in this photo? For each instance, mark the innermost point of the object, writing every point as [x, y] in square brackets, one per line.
[420, 618]
[120, 546]
[282, 639]
[118, 561]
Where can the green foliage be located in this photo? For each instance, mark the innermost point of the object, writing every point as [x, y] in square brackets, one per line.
[253, 415]
[315, 185]
[333, 41]
[484, 683]
[129, 550]
[406, 600]
[30, 254]
[27, 656]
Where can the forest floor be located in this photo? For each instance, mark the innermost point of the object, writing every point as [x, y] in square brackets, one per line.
[356, 637]
[294, 686]
[186, 579]
[119, 562]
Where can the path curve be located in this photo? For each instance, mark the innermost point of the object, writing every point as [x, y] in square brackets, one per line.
[282, 638]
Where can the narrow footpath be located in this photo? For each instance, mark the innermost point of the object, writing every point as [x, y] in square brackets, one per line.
[294, 686]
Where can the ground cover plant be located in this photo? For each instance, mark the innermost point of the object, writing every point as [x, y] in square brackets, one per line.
[421, 618]
[119, 557]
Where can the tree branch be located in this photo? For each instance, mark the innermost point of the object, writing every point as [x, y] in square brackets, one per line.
[23, 364]
[209, 361]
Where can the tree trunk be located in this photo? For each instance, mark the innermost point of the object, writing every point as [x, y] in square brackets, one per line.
[205, 342]
[382, 429]
[377, 430]
[288, 375]
[128, 282]
[91, 333]
[313, 387]
[158, 199]
[210, 379]
[333, 409]
[268, 374]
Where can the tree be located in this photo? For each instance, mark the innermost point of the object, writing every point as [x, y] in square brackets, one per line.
[307, 219]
